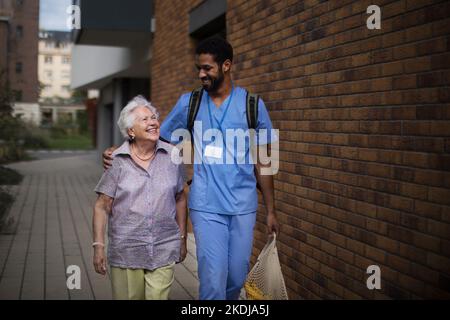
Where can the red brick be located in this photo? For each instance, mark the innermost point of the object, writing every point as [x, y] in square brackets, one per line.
[405, 82]
[376, 255]
[438, 262]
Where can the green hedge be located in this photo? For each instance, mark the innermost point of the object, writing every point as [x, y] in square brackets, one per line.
[11, 151]
[9, 176]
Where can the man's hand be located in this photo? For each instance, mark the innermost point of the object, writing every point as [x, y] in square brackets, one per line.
[183, 250]
[107, 157]
[267, 189]
[100, 260]
[272, 224]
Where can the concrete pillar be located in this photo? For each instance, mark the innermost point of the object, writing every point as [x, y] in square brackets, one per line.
[105, 119]
[54, 115]
[102, 130]
[117, 108]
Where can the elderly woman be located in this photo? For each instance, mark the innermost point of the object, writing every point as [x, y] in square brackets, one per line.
[142, 198]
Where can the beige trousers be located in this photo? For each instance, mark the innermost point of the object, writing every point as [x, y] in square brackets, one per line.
[141, 284]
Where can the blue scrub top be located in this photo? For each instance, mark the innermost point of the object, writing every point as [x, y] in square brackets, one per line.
[221, 188]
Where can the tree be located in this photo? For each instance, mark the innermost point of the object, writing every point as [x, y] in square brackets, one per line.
[6, 95]
[11, 128]
[79, 96]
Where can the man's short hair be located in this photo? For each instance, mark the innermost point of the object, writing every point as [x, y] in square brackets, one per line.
[219, 48]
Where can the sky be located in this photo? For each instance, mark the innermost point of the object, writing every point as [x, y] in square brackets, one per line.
[52, 14]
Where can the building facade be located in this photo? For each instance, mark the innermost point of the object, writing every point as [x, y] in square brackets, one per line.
[364, 119]
[57, 104]
[54, 65]
[112, 54]
[19, 25]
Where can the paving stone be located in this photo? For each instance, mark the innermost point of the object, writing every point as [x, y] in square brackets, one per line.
[53, 217]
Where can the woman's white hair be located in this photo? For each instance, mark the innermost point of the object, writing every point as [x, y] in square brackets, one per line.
[127, 116]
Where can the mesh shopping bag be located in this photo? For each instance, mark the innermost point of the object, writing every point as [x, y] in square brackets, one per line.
[265, 281]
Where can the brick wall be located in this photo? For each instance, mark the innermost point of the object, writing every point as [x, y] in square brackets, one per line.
[172, 70]
[3, 49]
[25, 50]
[364, 119]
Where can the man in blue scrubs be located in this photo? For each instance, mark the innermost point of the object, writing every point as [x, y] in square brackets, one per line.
[223, 197]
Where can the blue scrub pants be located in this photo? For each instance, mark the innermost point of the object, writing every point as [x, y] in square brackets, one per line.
[224, 245]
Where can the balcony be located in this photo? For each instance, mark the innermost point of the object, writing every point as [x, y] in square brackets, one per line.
[114, 41]
[114, 22]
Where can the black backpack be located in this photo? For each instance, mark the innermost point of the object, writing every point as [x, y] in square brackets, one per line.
[252, 101]
[196, 98]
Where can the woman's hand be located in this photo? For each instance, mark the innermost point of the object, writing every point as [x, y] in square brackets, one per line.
[102, 208]
[100, 260]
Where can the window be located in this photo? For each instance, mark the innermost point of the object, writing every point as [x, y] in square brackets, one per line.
[19, 3]
[19, 67]
[49, 74]
[48, 44]
[65, 60]
[65, 74]
[204, 21]
[65, 88]
[19, 32]
[48, 59]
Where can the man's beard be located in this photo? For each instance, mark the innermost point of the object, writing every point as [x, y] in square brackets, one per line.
[214, 82]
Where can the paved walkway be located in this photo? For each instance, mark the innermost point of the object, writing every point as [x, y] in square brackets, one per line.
[50, 229]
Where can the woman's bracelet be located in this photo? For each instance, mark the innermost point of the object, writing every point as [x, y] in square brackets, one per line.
[98, 244]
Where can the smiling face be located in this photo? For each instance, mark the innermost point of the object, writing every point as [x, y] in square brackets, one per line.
[145, 125]
[210, 73]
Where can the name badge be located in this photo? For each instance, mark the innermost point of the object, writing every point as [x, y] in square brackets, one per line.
[213, 152]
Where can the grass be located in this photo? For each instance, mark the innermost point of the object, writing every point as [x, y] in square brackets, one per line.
[72, 142]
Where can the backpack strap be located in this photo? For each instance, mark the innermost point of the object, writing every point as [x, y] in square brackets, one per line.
[252, 110]
[194, 105]
[252, 119]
